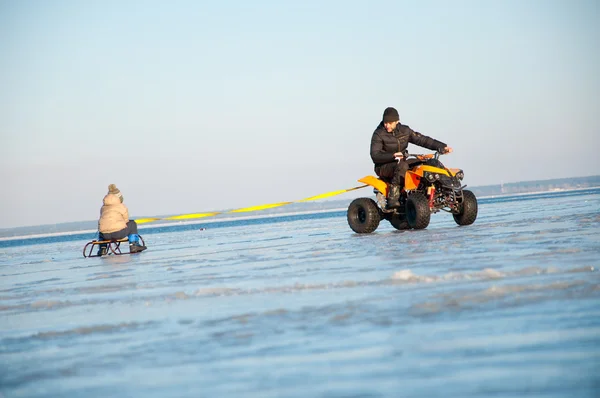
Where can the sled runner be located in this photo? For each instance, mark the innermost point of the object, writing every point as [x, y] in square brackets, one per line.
[113, 247]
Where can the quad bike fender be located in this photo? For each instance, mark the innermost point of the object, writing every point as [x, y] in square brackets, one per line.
[431, 169]
[376, 183]
[412, 180]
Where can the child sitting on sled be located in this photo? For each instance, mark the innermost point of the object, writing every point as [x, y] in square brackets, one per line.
[114, 222]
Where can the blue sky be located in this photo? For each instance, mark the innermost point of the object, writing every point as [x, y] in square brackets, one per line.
[194, 106]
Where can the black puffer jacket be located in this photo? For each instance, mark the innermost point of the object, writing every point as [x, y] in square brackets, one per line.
[384, 144]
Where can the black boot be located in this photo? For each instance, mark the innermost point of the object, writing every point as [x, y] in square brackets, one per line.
[134, 244]
[136, 247]
[393, 196]
[102, 250]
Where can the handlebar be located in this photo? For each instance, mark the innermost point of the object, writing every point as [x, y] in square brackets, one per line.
[435, 155]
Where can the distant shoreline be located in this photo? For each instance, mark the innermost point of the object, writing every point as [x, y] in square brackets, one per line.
[538, 192]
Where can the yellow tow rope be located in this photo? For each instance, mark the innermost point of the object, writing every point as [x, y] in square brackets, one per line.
[192, 216]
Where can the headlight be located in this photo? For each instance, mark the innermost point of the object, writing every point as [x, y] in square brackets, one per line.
[430, 177]
[460, 175]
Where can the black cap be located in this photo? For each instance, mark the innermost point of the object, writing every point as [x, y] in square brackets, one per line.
[390, 115]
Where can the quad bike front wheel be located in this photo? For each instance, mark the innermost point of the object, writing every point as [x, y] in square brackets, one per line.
[363, 215]
[468, 209]
[417, 211]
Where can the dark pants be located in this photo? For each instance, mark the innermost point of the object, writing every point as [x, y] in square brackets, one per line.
[130, 229]
[393, 172]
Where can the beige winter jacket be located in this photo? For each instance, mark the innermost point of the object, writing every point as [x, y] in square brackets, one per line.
[113, 215]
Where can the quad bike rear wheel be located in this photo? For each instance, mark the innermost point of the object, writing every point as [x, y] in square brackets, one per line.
[468, 209]
[363, 215]
[417, 211]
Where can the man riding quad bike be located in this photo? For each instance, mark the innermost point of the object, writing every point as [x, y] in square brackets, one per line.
[428, 188]
[435, 189]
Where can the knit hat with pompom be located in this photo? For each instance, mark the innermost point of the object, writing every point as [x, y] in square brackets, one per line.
[112, 189]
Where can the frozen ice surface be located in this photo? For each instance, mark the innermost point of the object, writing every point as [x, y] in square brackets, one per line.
[303, 307]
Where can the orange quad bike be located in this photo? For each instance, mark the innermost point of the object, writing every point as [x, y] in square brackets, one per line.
[428, 188]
